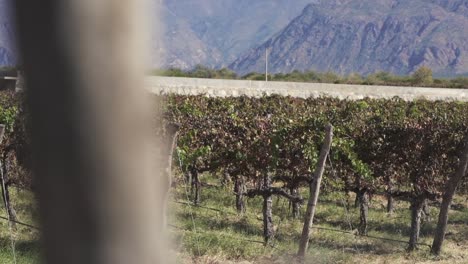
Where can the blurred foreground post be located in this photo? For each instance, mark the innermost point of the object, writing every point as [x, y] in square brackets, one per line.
[94, 156]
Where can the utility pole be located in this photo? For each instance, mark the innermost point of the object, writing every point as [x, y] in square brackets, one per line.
[266, 65]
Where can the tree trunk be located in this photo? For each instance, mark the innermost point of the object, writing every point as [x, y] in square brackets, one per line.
[426, 212]
[9, 207]
[390, 204]
[363, 197]
[195, 186]
[188, 179]
[370, 197]
[314, 188]
[295, 206]
[390, 200]
[356, 200]
[239, 191]
[450, 189]
[348, 200]
[5, 187]
[226, 178]
[191, 172]
[416, 213]
[267, 212]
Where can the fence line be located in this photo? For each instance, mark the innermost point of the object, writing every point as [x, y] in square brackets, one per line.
[247, 240]
[314, 227]
[204, 207]
[21, 223]
[225, 235]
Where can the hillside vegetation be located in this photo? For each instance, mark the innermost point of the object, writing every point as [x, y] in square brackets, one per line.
[421, 77]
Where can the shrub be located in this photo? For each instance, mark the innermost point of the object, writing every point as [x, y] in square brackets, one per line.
[423, 76]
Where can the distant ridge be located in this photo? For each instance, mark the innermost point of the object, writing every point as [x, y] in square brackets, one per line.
[341, 36]
[366, 36]
[215, 32]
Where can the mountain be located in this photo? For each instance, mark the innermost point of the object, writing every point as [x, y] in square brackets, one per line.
[215, 32]
[343, 36]
[183, 47]
[208, 32]
[7, 53]
[366, 36]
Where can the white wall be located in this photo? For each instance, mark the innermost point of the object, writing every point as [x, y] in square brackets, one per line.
[225, 88]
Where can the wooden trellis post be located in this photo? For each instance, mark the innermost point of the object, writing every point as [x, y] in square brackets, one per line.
[314, 187]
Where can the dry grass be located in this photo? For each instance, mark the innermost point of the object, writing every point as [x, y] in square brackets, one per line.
[223, 237]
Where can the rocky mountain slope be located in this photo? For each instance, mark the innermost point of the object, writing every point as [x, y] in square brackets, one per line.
[215, 32]
[7, 54]
[366, 36]
[343, 36]
[208, 32]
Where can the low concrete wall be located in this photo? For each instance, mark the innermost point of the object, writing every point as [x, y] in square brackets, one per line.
[226, 88]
